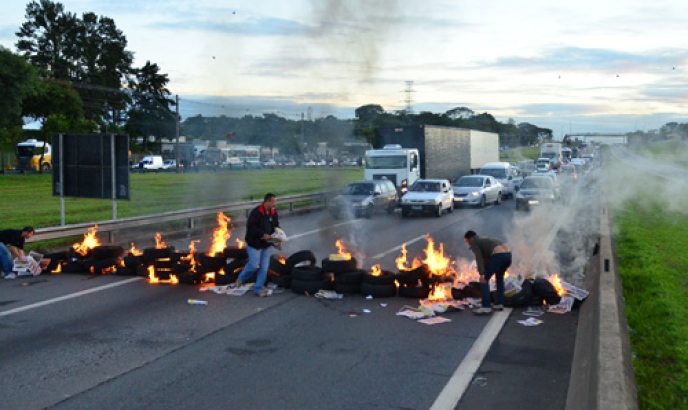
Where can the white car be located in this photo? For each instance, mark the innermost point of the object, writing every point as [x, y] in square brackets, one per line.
[169, 164]
[428, 196]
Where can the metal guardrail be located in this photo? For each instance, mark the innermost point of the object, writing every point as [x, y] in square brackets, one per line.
[111, 226]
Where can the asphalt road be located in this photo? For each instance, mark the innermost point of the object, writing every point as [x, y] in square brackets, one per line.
[71, 341]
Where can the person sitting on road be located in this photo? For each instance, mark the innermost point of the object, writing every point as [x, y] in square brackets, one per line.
[12, 246]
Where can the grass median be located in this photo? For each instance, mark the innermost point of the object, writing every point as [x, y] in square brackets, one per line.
[28, 199]
[651, 246]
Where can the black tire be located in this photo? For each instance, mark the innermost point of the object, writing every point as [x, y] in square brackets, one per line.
[346, 288]
[411, 277]
[336, 266]
[235, 266]
[124, 271]
[101, 265]
[282, 281]
[404, 212]
[233, 252]
[385, 278]
[522, 298]
[57, 256]
[451, 208]
[180, 268]
[544, 289]
[379, 290]
[498, 200]
[309, 287]
[349, 277]
[369, 211]
[482, 202]
[151, 254]
[278, 267]
[142, 270]
[107, 251]
[391, 207]
[307, 274]
[299, 257]
[190, 278]
[73, 267]
[472, 290]
[132, 261]
[226, 278]
[214, 263]
[416, 292]
[45, 167]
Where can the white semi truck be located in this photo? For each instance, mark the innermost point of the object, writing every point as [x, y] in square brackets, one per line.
[552, 151]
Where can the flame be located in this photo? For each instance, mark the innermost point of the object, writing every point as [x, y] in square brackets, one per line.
[90, 241]
[58, 269]
[441, 291]
[221, 234]
[437, 263]
[555, 280]
[341, 250]
[281, 259]
[190, 257]
[154, 279]
[134, 251]
[465, 272]
[240, 243]
[375, 270]
[159, 244]
[402, 263]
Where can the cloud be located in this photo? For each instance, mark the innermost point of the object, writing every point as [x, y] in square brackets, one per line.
[253, 26]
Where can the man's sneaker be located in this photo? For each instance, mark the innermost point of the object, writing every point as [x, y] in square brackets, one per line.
[498, 308]
[238, 283]
[10, 276]
[482, 311]
[263, 293]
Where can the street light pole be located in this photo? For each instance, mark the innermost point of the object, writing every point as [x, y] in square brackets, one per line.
[176, 145]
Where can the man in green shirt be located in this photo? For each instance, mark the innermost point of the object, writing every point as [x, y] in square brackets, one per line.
[493, 257]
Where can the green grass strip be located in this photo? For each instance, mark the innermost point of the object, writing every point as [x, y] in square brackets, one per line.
[652, 250]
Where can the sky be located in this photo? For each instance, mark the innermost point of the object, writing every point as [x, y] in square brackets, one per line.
[585, 66]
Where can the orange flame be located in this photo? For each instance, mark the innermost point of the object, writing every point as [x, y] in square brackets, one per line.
[221, 234]
[90, 241]
[134, 251]
[555, 280]
[159, 244]
[154, 279]
[190, 257]
[281, 259]
[437, 263]
[402, 263]
[441, 291]
[341, 250]
[240, 243]
[58, 269]
[375, 270]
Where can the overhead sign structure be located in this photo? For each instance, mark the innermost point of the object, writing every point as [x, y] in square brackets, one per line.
[83, 166]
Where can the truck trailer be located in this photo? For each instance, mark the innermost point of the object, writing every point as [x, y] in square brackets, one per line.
[444, 152]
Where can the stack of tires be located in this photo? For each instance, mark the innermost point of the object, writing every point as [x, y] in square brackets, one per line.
[414, 283]
[235, 259]
[308, 280]
[280, 272]
[103, 258]
[534, 293]
[345, 276]
[161, 259]
[379, 286]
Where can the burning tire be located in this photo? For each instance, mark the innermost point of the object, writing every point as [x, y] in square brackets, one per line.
[339, 266]
[55, 259]
[299, 258]
[412, 276]
[278, 267]
[545, 290]
[385, 278]
[213, 263]
[305, 287]
[190, 278]
[151, 254]
[73, 267]
[522, 298]
[282, 281]
[107, 251]
[472, 290]
[379, 290]
[415, 292]
[233, 252]
[346, 288]
[226, 278]
[235, 266]
[307, 274]
[132, 261]
[349, 277]
[124, 271]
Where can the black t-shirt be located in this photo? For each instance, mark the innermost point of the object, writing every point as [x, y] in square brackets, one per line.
[12, 237]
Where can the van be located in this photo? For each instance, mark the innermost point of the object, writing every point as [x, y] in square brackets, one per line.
[151, 162]
[506, 174]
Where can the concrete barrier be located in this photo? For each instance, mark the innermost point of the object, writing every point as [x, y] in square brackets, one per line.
[602, 370]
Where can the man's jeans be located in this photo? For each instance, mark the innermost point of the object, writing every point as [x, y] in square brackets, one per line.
[256, 258]
[496, 265]
[6, 264]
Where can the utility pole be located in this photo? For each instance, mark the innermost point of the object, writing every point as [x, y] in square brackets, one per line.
[409, 97]
[176, 132]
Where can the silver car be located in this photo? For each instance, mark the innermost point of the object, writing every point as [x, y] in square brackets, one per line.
[477, 190]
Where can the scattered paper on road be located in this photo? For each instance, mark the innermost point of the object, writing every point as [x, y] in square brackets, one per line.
[531, 321]
[434, 320]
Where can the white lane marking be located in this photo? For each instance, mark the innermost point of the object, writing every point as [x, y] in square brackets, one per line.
[67, 297]
[458, 383]
[398, 248]
[299, 235]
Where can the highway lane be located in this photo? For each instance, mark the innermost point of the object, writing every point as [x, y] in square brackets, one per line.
[140, 345]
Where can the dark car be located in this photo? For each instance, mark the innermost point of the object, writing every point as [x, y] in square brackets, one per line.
[363, 198]
[535, 190]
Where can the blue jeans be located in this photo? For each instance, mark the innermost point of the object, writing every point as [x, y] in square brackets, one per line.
[256, 258]
[496, 265]
[6, 264]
